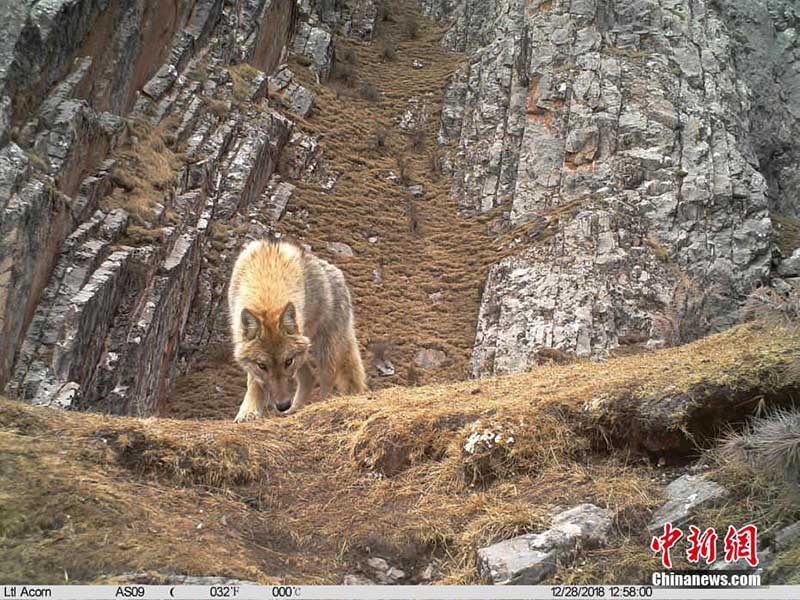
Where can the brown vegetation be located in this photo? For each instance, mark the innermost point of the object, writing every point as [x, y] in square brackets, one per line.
[369, 92]
[435, 164]
[788, 230]
[411, 26]
[344, 72]
[416, 139]
[389, 51]
[449, 254]
[400, 473]
[146, 169]
[381, 133]
[242, 76]
[686, 317]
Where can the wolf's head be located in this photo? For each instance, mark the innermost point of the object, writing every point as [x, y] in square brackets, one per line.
[271, 351]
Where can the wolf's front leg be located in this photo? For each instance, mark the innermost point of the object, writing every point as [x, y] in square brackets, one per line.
[305, 387]
[255, 402]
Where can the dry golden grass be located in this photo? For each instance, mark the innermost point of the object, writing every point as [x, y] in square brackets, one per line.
[219, 108]
[446, 254]
[308, 497]
[146, 170]
[658, 249]
[788, 230]
[64, 518]
[785, 568]
[242, 75]
[442, 253]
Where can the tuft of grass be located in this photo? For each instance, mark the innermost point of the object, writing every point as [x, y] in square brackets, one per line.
[554, 356]
[658, 249]
[145, 170]
[769, 444]
[385, 13]
[788, 230]
[403, 169]
[243, 76]
[202, 459]
[349, 56]
[389, 51]
[37, 161]
[198, 70]
[786, 566]
[412, 376]
[380, 135]
[369, 92]
[411, 27]
[412, 213]
[416, 139]
[216, 107]
[769, 306]
[345, 73]
[435, 164]
[759, 491]
[686, 316]
[137, 235]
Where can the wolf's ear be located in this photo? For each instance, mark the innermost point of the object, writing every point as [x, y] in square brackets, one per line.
[251, 326]
[289, 320]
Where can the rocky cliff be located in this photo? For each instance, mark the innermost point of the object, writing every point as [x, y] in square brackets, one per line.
[633, 163]
[120, 118]
[641, 152]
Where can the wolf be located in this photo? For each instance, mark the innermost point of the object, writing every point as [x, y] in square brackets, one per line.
[288, 306]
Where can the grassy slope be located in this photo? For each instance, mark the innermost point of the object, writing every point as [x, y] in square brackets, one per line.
[306, 498]
[446, 254]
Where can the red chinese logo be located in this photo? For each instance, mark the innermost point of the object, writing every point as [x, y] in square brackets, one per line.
[702, 545]
[665, 542]
[740, 544]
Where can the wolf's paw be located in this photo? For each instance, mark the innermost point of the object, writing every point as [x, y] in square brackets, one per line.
[245, 416]
[292, 410]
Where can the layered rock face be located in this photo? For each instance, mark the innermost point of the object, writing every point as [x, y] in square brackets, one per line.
[625, 143]
[91, 316]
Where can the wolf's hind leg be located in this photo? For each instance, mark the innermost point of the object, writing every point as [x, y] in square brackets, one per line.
[326, 382]
[254, 404]
[350, 376]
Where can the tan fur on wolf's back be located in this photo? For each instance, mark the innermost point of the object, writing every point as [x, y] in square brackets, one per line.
[287, 306]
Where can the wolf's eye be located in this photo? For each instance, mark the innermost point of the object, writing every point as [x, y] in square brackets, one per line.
[262, 366]
[289, 362]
